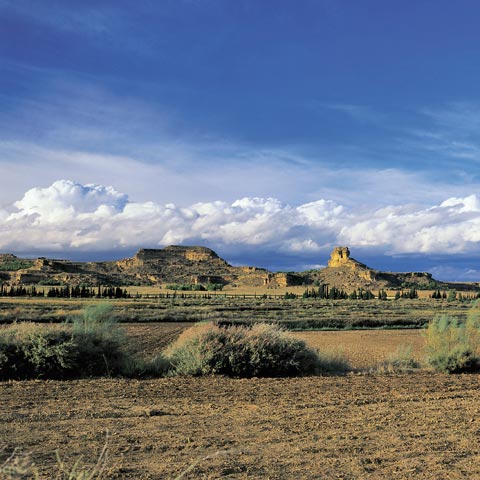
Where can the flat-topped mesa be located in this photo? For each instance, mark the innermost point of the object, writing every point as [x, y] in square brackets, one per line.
[340, 257]
[196, 254]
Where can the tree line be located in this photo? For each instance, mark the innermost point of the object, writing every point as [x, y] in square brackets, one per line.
[65, 291]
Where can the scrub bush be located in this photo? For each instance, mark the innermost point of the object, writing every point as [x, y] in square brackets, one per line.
[452, 346]
[100, 342]
[93, 345]
[29, 350]
[262, 350]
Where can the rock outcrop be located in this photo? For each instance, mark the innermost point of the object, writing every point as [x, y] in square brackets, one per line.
[173, 264]
[346, 273]
[200, 265]
[340, 257]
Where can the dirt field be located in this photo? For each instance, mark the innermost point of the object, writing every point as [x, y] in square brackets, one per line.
[353, 427]
[363, 348]
[420, 425]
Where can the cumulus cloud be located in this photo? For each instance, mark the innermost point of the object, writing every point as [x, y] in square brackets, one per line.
[69, 216]
[451, 227]
[65, 199]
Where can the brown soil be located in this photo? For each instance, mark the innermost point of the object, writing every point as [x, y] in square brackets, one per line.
[151, 338]
[364, 348]
[410, 426]
[420, 425]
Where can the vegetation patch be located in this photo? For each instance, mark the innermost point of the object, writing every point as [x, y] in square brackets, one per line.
[29, 350]
[262, 350]
[15, 264]
[453, 346]
[93, 345]
[194, 287]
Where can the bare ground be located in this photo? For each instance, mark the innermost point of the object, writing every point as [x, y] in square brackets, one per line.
[409, 426]
[420, 425]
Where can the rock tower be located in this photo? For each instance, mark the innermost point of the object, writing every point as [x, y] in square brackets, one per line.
[340, 257]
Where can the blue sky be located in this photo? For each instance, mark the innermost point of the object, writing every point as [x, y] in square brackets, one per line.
[268, 130]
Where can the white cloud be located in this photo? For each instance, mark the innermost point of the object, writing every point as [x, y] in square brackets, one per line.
[77, 130]
[451, 227]
[68, 216]
[467, 204]
[65, 199]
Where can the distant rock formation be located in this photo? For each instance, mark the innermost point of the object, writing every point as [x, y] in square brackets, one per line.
[174, 264]
[340, 257]
[346, 273]
[200, 265]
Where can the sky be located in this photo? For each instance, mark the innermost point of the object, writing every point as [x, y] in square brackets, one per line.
[270, 131]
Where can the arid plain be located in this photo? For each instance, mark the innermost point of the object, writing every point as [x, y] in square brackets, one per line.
[374, 421]
[360, 425]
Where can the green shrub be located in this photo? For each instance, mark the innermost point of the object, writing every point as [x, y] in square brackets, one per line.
[101, 345]
[188, 287]
[96, 318]
[15, 264]
[262, 350]
[93, 345]
[454, 347]
[51, 281]
[29, 350]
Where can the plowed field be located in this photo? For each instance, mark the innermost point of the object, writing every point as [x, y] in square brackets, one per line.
[419, 425]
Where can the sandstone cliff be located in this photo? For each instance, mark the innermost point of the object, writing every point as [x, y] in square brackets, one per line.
[200, 265]
[173, 264]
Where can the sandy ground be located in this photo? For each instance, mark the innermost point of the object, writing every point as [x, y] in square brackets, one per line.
[364, 348]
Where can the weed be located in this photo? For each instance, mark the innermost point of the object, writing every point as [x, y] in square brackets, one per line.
[400, 361]
[20, 465]
[17, 465]
[78, 471]
[206, 457]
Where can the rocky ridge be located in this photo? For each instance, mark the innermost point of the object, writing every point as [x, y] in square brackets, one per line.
[173, 264]
[347, 273]
[201, 265]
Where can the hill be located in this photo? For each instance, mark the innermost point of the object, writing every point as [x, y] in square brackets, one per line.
[201, 265]
[173, 264]
[347, 273]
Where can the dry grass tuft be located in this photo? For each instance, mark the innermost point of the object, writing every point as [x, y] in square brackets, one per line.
[400, 361]
[19, 465]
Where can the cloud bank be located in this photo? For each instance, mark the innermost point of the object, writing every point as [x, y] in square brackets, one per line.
[69, 216]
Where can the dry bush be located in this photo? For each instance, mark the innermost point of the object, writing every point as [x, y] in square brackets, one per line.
[29, 350]
[262, 350]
